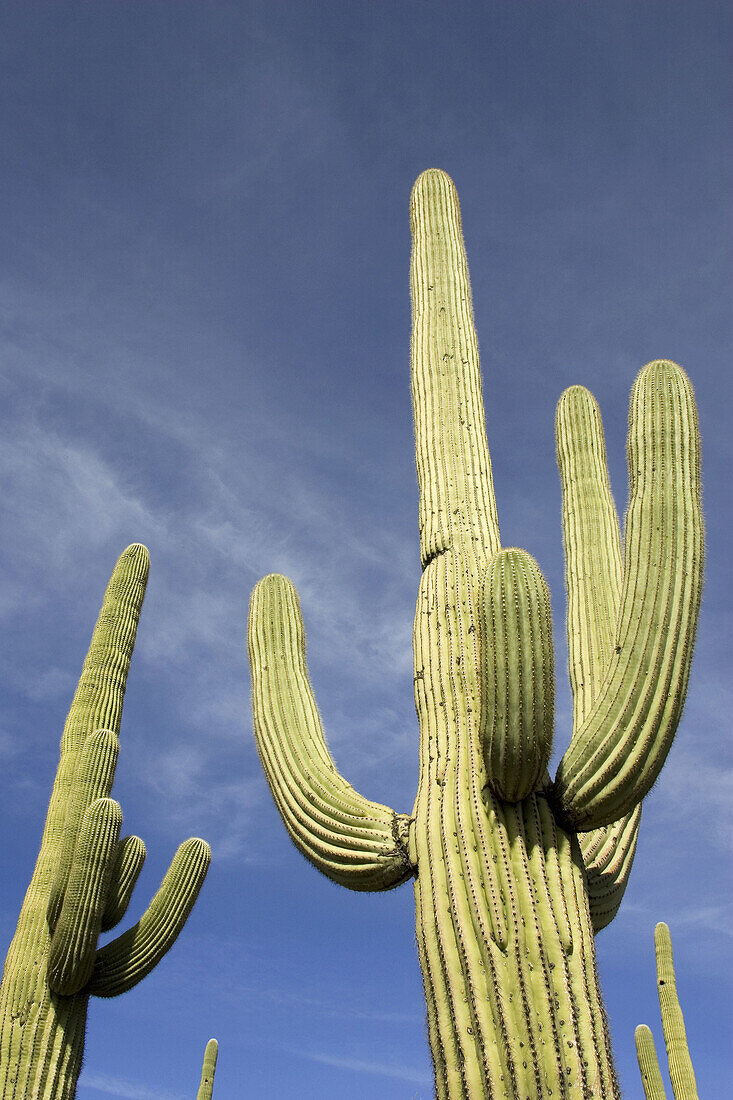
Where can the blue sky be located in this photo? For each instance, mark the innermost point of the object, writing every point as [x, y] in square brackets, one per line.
[205, 330]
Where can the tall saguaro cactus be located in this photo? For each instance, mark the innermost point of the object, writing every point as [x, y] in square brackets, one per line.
[513, 873]
[85, 874]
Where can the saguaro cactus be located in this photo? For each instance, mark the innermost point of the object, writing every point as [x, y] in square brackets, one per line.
[681, 1072]
[206, 1088]
[513, 873]
[85, 874]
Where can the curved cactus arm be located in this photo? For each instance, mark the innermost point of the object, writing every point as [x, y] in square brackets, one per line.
[206, 1088]
[95, 775]
[646, 1054]
[125, 961]
[356, 842]
[618, 752]
[74, 941]
[517, 674]
[129, 860]
[608, 855]
[681, 1072]
[452, 455]
[592, 543]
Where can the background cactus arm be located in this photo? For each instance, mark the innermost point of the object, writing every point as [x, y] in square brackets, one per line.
[646, 1054]
[452, 454]
[125, 961]
[356, 842]
[96, 706]
[206, 1088]
[617, 754]
[681, 1072]
[592, 543]
[74, 942]
[94, 778]
[608, 855]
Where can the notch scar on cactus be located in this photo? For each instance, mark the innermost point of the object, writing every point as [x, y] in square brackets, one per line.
[513, 873]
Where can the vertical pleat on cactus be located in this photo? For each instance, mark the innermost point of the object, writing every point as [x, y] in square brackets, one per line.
[513, 873]
[85, 874]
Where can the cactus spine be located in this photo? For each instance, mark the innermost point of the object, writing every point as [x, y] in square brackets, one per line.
[681, 1072]
[85, 874]
[513, 874]
[206, 1088]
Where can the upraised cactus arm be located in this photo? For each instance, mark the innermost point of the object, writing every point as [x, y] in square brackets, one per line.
[84, 875]
[618, 751]
[355, 842]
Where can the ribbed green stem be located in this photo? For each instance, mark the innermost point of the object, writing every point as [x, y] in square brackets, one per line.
[618, 751]
[646, 1055]
[517, 674]
[681, 1072]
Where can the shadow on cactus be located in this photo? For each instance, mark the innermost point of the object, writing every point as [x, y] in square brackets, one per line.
[681, 1073]
[513, 873]
[85, 875]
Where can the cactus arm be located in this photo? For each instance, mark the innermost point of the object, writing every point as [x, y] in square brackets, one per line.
[646, 1055]
[618, 752]
[592, 543]
[95, 775]
[681, 1072]
[608, 855]
[129, 860]
[125, 961]
[355, 842]
[452, 454]
[74, 941]
[517, 674]
[206, 1088]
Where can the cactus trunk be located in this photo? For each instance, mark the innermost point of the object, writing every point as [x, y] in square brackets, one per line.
[504, 933]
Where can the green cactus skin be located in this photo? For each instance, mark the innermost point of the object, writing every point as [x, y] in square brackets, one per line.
[513, 874]
[85, 874]
[681, 1073]
[206, 1088]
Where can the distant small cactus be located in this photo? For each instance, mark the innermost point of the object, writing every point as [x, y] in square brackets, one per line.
[206, 1088]
[85, 874]
[513, 873]
[681, 1072]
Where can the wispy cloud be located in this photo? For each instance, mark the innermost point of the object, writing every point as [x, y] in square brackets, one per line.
[380, 1069]
[127, 1090]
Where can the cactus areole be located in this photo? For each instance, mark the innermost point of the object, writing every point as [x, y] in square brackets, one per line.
[85, 875]
[514, 873]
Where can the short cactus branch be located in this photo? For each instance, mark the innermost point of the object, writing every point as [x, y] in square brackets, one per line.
[84, 875]
[509, 892]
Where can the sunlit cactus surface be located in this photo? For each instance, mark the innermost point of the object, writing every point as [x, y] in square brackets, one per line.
[513, 872]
